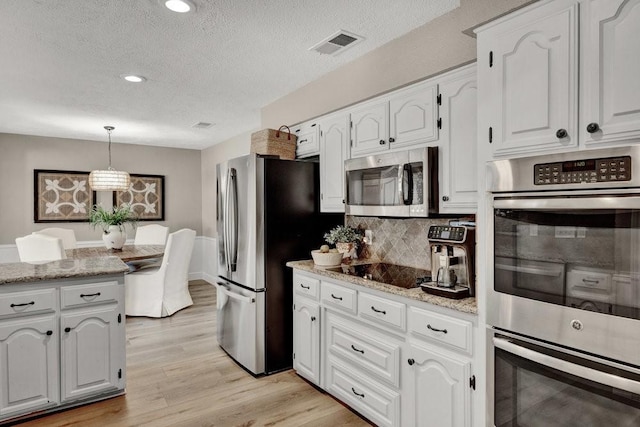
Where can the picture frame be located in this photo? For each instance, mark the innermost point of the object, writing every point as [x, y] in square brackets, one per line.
[62, 196]
[145, 196]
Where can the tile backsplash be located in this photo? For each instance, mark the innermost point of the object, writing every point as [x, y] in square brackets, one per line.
[400, 241]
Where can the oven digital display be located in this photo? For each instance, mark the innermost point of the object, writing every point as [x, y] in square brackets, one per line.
[579, 165]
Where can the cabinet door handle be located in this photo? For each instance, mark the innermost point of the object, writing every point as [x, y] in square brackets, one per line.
[392, 139]
[382, 142]
[67, 329]
[304, 287]
[436, 330]
[335, 297]
[302, 141]
[378, 311]
[49, 332]
[411, 362]
[561, 133]
[23, 304]
[313, 318]
[356, 393]
[97, 294]
[445, 198]
[356, 349]
[593, 127]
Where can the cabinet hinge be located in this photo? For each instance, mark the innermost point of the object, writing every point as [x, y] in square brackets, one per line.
[440, 123]
[490, 59]
[294, 355]
[439, 99]
[119, 318]
[351, 125]
[490, 134]
[294, 307]
[321, 195]
[119, 373]
[320, 133]
[351, 142]
[472, 382]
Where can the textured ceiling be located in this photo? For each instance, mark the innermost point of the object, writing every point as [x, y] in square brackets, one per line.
[61, 62]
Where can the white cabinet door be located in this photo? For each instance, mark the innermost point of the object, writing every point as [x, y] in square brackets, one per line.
[91, 343]
[610, 70]
[437, 390]
[28, 364]
[458, 148]
[370, 128]
[308, 142]
[529, 66]
[306, 339]
[413, 115]
[334, 146]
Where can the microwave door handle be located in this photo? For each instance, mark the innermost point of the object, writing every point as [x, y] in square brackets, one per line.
[569, 367]
[407, 195]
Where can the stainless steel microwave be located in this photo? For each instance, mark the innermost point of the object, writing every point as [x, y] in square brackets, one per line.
[400, 184]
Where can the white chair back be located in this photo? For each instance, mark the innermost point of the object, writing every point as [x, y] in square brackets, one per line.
[177, 255]
[67, 236]
[39, 248]
[152, 234]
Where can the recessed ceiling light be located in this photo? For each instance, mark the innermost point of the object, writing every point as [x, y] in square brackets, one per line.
[180, 6]
[133, 78]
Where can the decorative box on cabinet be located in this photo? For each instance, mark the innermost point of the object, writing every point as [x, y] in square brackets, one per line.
[334, 150]
[308, 143]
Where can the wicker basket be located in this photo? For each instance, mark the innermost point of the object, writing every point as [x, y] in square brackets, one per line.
[274, 142]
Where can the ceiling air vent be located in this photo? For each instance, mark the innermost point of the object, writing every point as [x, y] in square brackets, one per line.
[202, 125]
[337, 43]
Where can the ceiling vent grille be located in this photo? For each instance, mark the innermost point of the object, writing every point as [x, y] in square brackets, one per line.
[202, 125]
[337, 43]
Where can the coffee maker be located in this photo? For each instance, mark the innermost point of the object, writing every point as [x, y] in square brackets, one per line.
[452, 250]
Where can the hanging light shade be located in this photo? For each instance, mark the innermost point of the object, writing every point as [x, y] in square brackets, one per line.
[109, 179]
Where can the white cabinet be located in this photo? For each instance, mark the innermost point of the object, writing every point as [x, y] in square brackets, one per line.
[334, 150]
[370, 128]
[308, 142]
[610, 87]
[458, 141]
[528, 75]
[306, 339]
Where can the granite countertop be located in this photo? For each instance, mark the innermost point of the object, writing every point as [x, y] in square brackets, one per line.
[23, 272]
[465, 305]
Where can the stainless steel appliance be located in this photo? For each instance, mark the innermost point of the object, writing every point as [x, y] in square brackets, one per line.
[400, 184]
[267, 214]
[564, 305]
[452, 261]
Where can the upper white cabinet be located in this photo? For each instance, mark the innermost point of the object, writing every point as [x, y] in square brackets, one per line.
[528, 75]
[308, 143]
[610, 70]
[458, 141]
[530, 79]
[399, 120]
[334, 150]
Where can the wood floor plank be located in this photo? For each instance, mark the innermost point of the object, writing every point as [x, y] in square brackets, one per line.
[177, 375]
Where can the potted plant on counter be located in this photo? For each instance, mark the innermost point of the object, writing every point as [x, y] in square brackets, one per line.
[345, 238]
[113, 223]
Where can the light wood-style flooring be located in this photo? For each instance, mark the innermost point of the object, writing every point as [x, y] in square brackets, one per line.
[177, 375]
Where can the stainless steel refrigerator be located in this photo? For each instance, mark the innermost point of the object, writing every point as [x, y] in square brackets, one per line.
[267, 214]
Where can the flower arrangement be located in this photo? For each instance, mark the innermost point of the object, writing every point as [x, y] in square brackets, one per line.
[343, 234]
[119, 216]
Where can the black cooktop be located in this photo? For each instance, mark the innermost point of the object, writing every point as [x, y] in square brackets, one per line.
[391, 274]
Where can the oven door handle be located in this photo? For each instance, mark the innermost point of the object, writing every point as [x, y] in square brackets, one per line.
[611, 201]
[569, 367]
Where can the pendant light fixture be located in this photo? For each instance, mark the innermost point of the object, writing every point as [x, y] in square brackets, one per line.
[110, 179]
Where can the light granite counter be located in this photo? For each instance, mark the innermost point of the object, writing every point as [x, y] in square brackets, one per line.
[22, 272]
[465, 305]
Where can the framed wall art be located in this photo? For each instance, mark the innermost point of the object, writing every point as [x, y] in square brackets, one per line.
[62, 196]
[145, 196]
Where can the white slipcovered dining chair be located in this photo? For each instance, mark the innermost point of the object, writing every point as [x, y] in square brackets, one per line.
[161, 291]
[152, 234]
[40, 248]
[67, 236]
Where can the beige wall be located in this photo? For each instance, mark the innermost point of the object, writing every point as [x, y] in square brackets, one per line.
[21, 154]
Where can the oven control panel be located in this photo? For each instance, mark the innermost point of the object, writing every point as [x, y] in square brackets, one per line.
[447, 233]
[612, 169]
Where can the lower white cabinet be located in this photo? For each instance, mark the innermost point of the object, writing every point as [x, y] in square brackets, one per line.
[395, 360]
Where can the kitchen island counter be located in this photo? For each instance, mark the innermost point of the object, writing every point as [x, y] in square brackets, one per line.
[22, 272]
[465, 305]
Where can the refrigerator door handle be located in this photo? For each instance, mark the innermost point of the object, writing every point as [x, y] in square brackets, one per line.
[242, 298]
[225, 225]
[232, 219]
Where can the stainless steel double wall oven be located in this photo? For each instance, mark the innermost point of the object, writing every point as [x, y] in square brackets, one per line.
[563, 308]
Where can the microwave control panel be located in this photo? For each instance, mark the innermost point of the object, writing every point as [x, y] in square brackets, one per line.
[447, 233]
[612, 169]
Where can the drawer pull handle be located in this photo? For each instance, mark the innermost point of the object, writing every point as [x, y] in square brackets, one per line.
[357, 349]
[97, 294]
[335, 297]
[49, 332]
[23, 304]
[304, 287]
[378, 311]
[67, 329]
[436, 330]
[356, 393]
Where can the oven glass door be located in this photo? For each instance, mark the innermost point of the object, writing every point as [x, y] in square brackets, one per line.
[536, 386]
[581, 252]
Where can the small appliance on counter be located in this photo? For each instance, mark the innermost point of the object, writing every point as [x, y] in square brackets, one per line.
[452, 251]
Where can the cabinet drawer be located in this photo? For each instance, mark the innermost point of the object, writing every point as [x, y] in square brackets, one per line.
[339, 296]
[383, 311]
[375, 401]
[27, 302]
[307, 286]
[359, 345]
[74, 296]
[442, 329]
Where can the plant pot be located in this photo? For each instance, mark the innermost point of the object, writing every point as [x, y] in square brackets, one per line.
[114, 238]
[344, 248]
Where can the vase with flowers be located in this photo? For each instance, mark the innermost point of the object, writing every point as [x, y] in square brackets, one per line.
[345, 239]
[113, 223]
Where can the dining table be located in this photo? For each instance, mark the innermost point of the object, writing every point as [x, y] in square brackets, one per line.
[128, 253]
